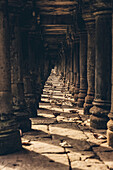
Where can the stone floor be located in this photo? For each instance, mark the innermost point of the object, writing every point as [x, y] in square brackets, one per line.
[61, 138]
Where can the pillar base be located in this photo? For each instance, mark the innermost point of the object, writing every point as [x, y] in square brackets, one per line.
[25, 125]
[81, 98]
[76, 93]
[88, 104]
[110, 133]
[23, 121]
[98, 122]
[87, 107]
[110, 138]
[31, 105]
[22, 117]
[71, 89]
[99, 111]
[75, 97]
[10, 142]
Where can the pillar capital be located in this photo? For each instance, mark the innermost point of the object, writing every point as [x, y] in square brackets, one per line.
[87, 14]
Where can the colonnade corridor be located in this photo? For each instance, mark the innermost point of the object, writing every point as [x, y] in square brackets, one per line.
[61, 137]
[56, 84]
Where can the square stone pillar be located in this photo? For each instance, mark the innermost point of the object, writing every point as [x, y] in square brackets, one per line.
[9, 135]
[17, 86]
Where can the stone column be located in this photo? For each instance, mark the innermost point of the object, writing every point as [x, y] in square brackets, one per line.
[64, 62]
[29, 83]
[19, 105]
[38, 53]
[68, 58]
[9, 135]
[77, 68]
[61, 64]
[90, 24]
[101, 104]
[29, 76]
[67, 65]
[110, 123]
[83, 68]
[72, 64]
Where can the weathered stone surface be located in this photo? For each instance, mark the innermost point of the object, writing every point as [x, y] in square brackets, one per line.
[107, 158]
[44, 128]
[30, 160]
[60, 158]
[87, 166]
[69, 130]
[78, 145]
[43, 147]
[42, 120]
[80, 156]
[102, 148]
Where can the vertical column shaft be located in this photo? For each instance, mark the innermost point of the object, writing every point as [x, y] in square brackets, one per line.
[9, 134]
[83, 69]
[17, 86]
[77, 67]
[101, 104]
[90, 66]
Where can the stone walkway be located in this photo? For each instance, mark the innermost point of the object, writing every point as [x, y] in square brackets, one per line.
[61, 138]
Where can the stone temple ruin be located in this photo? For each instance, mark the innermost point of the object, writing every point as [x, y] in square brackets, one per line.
[56, 76]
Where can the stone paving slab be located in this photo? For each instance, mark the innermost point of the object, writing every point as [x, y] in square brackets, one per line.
[43, 128]
[84, 165]
[43, 147]
[81, 155]
[60, 158]
[30, 160]
[68, 130]
[107, 158]
[43, 120]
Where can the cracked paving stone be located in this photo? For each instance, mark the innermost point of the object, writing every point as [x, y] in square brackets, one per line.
[45, 111]
[81, 155]
[43, 128]
[42, 120]
[69, 118]
[44, 147]
[60, 158]
[78, 145]
[69, 130]
[102, 148]
[76, 165]
[72, 115]
[107, 158]
[45, 115]
[36, 133]
[30, 160]
[93, 161]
